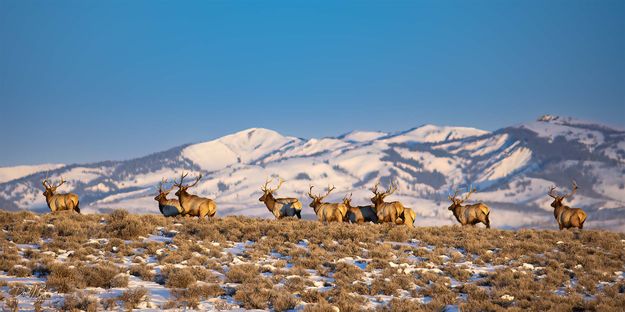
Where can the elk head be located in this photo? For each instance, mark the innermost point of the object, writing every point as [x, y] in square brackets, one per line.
[162, 193]
[557, 198]
[51, 188]
[318, 198]
[182, 189]
[379, 196]
[267, 191]
[457, 201]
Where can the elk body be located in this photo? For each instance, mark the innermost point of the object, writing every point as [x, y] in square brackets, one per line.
[359, 214]
[327, 212]
[469, 214]
[168, 207]
[566, 216]
[386, 212]
[280, 207]
[407, 217]
[194, 205]
[59, 202]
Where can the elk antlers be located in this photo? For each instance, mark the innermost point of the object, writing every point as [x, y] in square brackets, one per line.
[320, 197]
[47, 185]
[184, 175]
[348, 197]
[265, 187]
[555, 195]
[454, 198]
[390, 190]
[160, 186]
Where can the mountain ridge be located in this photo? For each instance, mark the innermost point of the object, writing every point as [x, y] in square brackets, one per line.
[511, 167]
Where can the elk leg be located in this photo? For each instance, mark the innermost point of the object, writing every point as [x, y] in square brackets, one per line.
[393, 217]
[203, 212]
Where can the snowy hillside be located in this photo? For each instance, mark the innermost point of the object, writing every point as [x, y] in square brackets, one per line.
[512, 169]
[16, 172]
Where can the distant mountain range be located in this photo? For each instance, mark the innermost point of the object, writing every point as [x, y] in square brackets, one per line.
[512, 169]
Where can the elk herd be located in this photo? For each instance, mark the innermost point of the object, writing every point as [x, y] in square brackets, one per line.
[379, 211]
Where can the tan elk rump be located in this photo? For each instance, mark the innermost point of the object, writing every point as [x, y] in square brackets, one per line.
[386, 212]
[469, 214]
[280, 207]
[194, 205]
[566, 216]
[327, 212]
[407, 217]
[168, 207]
[59, 202]
[359, 214]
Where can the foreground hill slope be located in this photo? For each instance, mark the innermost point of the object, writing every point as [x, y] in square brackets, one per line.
[512, 169]
[121, 261]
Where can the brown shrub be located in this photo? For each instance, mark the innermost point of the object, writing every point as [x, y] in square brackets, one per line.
[321, 306]
[20, 271]
[403, 305]
[8, 257]
[133, 297]
[398, 234]
[345, 274]
[295, 284]
[64, 279]
[345, 301]
[142, 271]
[124, 226]
[282, 300]
[178, 277]
[242, 273]
[79, 301]
[103, 275]
[254, 294]
[311, 296]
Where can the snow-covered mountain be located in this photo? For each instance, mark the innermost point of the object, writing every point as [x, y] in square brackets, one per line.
[512, 169]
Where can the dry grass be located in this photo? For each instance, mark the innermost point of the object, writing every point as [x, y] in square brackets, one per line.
[289, 261]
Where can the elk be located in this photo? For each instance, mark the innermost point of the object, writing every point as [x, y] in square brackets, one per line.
[407, 217]
[194, 205]
[469, 214]
[359, 214]
[387, 212]
[327, 212]
[280, 207]
[566, 216]
[168, 207]
[59, 202]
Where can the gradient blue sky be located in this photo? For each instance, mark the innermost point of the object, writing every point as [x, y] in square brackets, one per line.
[83, 81]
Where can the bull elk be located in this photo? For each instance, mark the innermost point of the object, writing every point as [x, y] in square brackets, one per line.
[328, 212]
[386, 212]
[469, 214]
[358, 214]
[194, 205]
[280, 207]
[168, 207]
[566, 216]
[59, 202]
[407, 217]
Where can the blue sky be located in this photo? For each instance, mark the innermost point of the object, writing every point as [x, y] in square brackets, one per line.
[83, 81]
